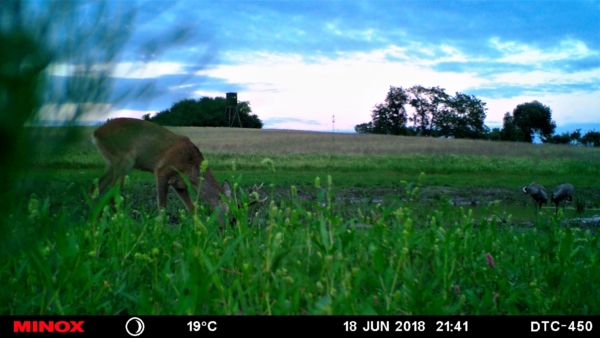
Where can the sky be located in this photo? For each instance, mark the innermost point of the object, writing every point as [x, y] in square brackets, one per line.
[324, 65]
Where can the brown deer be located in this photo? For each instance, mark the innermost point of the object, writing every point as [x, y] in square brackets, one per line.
[127, 143]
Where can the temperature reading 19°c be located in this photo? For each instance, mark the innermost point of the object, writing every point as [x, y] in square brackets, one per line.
[197, 326]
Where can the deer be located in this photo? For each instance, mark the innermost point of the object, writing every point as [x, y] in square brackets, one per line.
[128, 143]
[538, 193]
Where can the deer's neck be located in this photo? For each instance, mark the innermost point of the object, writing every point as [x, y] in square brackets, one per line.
[210, 191]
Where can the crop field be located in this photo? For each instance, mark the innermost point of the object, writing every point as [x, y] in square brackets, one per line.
[353, 224]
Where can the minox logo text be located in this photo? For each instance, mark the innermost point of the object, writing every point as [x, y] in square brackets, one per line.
[47, 326]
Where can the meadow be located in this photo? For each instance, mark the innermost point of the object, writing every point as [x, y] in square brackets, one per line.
[354, 224]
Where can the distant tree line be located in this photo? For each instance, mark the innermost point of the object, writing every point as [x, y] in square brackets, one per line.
[205, 112]
[438, 114]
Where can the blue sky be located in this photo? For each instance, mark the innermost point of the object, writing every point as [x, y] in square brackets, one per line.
[299, 63]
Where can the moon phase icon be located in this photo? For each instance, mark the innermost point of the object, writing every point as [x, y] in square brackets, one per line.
[136, 329]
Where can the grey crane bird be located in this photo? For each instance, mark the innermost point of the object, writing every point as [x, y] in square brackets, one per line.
[538, 193]
[562, 193]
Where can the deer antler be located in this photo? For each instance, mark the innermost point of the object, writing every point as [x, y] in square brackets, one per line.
[254, 193]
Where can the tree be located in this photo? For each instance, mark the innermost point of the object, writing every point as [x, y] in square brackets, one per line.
[534, 118]
[389, 117]
[495, 134]
[364, 128]
[429, 104]
[576, 136]
[467, 116]
[591, 139]
[573, 138]
[509, 131]
[206, 112]
[435, 114]
[564, 138]
[247, 119]
[444, 122]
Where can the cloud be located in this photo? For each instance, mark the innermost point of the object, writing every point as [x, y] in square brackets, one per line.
[544, 77]
[516, 53]
[307, 61]
[152, 94]
[350, 84]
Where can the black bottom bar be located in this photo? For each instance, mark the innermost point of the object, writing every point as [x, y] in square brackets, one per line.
[225, 325]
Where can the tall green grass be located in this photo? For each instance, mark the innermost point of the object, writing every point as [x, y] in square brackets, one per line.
[297, 257]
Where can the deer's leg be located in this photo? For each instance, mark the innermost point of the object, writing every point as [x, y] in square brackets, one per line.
[184, 196]
[115, 173]
[104, 180]
[123, 167]
[116, 169]
[162, 188]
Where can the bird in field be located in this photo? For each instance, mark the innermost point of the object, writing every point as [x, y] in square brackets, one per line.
[563, 192]
[538, 193]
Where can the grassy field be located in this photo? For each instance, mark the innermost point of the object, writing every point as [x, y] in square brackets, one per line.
[363, 167]
[355, 224]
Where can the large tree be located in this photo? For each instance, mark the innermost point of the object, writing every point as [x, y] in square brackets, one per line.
[389, 117]
[435, 114]
[428, 103]
[564, 138]
[494, 135]
[364, 128]
[509, 131]
[591, 139]
[534, 118]
[467, 116]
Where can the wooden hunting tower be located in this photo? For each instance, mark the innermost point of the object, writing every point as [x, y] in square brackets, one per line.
[231, 109]
[231, 99]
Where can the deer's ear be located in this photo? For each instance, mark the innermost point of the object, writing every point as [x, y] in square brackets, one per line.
[227, 189]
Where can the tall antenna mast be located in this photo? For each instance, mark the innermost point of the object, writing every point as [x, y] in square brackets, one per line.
[333, 123]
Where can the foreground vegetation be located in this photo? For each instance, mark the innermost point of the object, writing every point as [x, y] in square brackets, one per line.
[297, 258]
[305, 252]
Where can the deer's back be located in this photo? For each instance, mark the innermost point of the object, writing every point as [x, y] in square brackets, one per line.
[146, 142]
